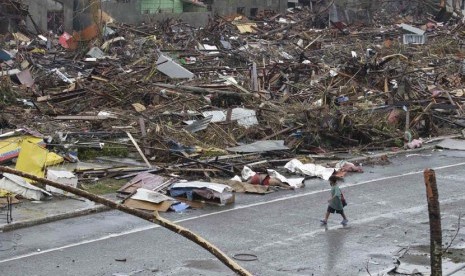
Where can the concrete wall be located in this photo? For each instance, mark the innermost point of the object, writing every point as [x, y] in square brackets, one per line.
[123, 12]
[456, 3]
[4, 25]
[196, 19]
[225, 7]
[10, 19]
[131, 11]
[38, 10]
[158, 6]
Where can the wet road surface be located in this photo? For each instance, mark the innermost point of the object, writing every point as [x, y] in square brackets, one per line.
[387, 213]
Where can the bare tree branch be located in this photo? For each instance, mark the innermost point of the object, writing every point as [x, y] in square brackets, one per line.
[456, 233]
[155, 218]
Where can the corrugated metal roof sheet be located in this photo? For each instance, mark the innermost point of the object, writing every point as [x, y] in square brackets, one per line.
[199, 125]
[260, 146]
[412, 29]
[167, 66]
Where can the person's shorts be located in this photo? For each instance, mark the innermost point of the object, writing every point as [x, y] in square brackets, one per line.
[332, 210]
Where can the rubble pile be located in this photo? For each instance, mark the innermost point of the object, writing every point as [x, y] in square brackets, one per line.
[239, 91]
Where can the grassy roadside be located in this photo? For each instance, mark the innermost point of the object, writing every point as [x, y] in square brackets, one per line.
[104, 186]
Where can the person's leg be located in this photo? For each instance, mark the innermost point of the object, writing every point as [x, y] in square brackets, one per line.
[325, 220]
[328, 212]
[344, 218]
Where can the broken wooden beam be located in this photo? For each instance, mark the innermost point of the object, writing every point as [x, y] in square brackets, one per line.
[155, 218]
[77, 117]
[139, 150]
[200, 90]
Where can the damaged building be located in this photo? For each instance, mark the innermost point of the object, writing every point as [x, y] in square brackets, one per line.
[12, 15]
[245, 7]
[68, 15]
[49, 15]
[57, 16]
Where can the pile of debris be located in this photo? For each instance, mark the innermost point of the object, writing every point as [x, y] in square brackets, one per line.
[221, 100]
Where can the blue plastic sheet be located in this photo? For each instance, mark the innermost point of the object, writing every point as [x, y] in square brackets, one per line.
[179, 207]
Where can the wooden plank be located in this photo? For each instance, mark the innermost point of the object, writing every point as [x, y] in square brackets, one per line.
[83, 118]
[139, 150]
[143, 132]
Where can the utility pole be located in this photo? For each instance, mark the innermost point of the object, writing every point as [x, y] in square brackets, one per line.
[434, 212]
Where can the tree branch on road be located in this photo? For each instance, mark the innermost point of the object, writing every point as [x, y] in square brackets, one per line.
[155, 218]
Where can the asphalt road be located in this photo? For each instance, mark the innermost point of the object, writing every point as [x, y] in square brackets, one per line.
[387, 214]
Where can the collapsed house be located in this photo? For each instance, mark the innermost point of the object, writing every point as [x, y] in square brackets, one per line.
[63, 15]
[12, 16]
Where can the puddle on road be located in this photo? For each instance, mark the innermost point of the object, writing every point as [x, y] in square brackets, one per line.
[455, 255]
[416, 260]
[207, 265]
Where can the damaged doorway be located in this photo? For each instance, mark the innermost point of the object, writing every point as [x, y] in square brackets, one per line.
[240, 10]
[292, 3]
[253, 12]
[55, 16]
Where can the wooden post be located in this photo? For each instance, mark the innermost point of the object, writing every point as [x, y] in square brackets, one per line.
[254, 77]
[155, 218]
[138, 149]
[434, 222]
[143, 132]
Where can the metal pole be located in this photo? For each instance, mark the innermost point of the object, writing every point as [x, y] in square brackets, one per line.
[434, 222]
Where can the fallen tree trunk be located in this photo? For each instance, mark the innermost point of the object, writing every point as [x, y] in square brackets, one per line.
[155, 218]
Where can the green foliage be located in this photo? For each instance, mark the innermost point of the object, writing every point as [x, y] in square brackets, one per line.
[399, 142]
[104, 186]
[7, 95]
[91, 153]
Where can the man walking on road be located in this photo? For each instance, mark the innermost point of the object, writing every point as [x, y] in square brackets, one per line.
[335, 203]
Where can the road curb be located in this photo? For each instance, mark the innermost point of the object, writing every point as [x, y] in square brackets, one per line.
[389, 153]
[52, 218]
[361, 159]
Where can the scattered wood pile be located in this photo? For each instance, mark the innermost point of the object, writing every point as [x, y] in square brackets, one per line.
[185, 98]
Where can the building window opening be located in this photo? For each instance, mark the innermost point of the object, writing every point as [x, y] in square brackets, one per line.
[253, 12]
[240, 10]
[55, 17]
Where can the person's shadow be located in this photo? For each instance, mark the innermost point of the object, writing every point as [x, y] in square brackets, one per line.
[335, 245]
